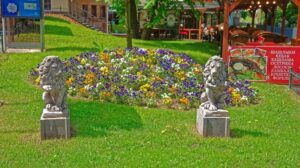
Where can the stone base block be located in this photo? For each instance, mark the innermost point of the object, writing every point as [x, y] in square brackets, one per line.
[212, 126]
[55, 128]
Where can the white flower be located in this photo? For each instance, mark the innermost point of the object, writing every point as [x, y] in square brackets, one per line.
[87, 87]
[165, 95]
[80, 67]
[245, 98]
[112, 53]
[190, 74]
[190, 93]
[101, 63]
[99, 84]
[237, 90]
[166, 57]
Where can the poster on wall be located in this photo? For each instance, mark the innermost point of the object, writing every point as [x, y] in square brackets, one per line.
[22, 8]
[248, 63]
[266, 63]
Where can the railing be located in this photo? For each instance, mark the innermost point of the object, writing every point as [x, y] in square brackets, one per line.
[57, 10]
[294, 81]
[85, 17]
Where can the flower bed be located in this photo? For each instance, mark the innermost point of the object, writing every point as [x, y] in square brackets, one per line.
[153, 78]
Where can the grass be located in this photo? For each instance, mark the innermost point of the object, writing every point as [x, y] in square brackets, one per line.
[110, 135]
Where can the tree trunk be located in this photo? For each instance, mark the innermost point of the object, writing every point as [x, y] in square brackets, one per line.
[128, 23]
[146, 33]
[134, 20]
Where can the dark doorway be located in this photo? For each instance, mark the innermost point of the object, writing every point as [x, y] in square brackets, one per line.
[85, 9]
[94, 10]
[47, 5]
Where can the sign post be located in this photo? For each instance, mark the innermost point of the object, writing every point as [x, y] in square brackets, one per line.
[20, 16]
[3, 35]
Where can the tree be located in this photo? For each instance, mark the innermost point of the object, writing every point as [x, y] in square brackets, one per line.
[244, 14]
[120, 7]
[134, 19]
[158, 9]
[292, 14]
[128, 23]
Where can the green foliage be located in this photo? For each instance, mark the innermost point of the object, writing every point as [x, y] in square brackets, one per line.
[158, 9]
[244, 14]
[119, 6]
[292, 14]
[278, 16]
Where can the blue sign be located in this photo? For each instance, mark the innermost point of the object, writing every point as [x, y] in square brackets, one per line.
[10, 8]
[22, 8]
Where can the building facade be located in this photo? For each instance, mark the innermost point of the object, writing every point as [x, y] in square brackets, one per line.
[57, 5]
[93, 13]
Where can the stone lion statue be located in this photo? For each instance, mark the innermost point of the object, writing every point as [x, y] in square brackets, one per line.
[215, 81]
[53, 79]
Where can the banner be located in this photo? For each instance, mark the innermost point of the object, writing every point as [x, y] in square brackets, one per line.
[22, 8]
[266, 63]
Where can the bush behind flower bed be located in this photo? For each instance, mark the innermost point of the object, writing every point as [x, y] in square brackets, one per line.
[153, 78]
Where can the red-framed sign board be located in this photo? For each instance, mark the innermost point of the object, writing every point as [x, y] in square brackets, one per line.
[266, 63]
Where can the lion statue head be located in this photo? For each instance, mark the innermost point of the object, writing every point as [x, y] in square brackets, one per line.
[215, 80]
[215, 71]
[51, 72]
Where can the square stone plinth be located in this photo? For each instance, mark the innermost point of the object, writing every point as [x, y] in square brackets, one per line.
[55, 128]
[213, 126]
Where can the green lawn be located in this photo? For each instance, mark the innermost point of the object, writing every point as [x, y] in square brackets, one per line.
[109, 135]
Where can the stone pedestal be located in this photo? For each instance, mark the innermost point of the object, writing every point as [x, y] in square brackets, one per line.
[213, 123]
[58, 127]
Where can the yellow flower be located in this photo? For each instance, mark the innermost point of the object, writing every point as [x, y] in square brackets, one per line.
[89, 78]
[157, 78]
[184, 101]
[83, 61]
[133, 59]
[180, 74]
[197, 70]
[142, 58]
[179, 60]
[236, 97]
[149, 61]
[230, 90]
[173, 89]
[104, 57]
[120, 51]
[145, 88]
[70, 81]
[104, 70]
[167, 101]
[82, 90]
[150, 52]
[139, 74]
[107, 94]
[150, 94]
[38, 80]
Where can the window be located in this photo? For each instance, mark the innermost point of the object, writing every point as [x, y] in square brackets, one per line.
[103, 11]
[47, 5]
[94, 10]
[85, 10]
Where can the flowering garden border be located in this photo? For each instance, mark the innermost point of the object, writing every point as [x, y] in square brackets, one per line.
[145, 77]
